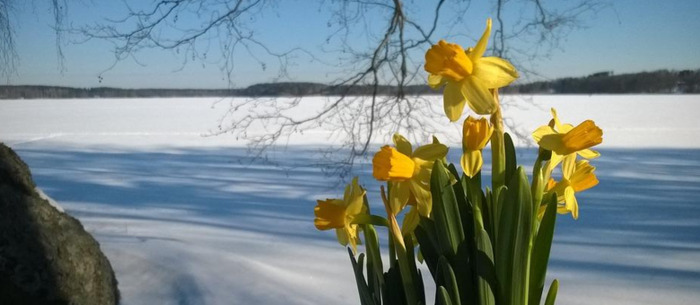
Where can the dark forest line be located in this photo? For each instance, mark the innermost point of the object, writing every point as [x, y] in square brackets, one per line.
[661, 81]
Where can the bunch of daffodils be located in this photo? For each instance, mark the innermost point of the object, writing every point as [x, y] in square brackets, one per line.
[482, 246]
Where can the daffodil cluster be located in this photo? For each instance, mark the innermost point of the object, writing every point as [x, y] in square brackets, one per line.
[481, 246]
[564, 143]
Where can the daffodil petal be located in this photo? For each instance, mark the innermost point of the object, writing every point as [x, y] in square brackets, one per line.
[423, 198]
[410, 221]
[398, 196]
[436, 81]
[542, 131]
[471, 162]
[568, 166]
[354, 198]
[431, 152]
[571, 202]
[480, 47]
[478, 97]
[342, 236]
[588, 153]
[423, 170]
[402, 144]
[454, 101]
[553, 142]
[494, 72]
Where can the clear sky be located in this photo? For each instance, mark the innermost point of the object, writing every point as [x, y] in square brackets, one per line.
[627, 36]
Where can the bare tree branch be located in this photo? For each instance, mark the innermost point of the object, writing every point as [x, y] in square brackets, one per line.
[397, 41]
[8, 51]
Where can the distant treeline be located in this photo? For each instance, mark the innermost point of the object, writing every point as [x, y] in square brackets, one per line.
[662, 81]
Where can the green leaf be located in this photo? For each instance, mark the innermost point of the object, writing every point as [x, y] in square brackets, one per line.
[512, 246]
[415, 273]
[363, 290]
[476, 198]
[427, 238]
[443, 297]
[498, 198]
[446, 278]
[541, 250]
[504, 245]
[392, 292]
[445, 211]
[466, 214]
[552, 294]
[511, 161]
[521, 249]
[464, 265]
[485, 269]
[375, 268]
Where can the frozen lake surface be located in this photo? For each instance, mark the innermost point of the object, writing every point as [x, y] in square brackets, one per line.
[187, 219]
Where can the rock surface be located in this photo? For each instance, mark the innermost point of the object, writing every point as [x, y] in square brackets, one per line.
[46, 256]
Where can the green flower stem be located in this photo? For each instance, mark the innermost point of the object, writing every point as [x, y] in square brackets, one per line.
[537, 185]
[498, 152]
[366, 219]
[400, 248]
[406, 274]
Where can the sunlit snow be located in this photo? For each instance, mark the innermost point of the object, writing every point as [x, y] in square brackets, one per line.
[186, 218]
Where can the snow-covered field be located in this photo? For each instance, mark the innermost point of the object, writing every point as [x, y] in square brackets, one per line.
[187, 219]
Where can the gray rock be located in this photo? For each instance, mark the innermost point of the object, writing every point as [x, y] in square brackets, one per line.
[46, 256]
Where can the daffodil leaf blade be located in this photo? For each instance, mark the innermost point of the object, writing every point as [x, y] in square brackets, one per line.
[374, 257]
[485, 269]
[445, 210]
[541, 250]
[363, 290]
[511, 160]
[498, 198]
[552, 294]
[521, 188]
[504, 245]
[427, 238]
[446, 278]
[513, 239]
[443, 297]
[393, 293]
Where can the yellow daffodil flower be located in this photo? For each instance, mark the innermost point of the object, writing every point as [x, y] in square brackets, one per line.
[407, 172]
[576, 178]
[467, 76]
[566, 141]
[339, 214]
[475, 136]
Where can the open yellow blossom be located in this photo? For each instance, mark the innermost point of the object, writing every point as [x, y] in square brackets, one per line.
[475, 136]
[339, 214]
[467, 76]
[566, 141]
[576, 178]
[393, 164]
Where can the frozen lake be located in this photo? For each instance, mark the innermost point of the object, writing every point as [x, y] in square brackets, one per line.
[187, 219]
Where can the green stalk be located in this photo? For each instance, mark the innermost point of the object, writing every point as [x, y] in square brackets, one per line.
[537, 184]
[400, 248]
[406, 275]
[498, 152]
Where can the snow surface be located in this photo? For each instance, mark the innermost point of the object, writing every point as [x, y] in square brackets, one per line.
[191, 219]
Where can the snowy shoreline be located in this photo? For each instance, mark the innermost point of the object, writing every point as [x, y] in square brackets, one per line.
[188, 219]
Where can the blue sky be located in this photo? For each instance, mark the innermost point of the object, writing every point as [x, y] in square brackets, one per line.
[627, 36]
